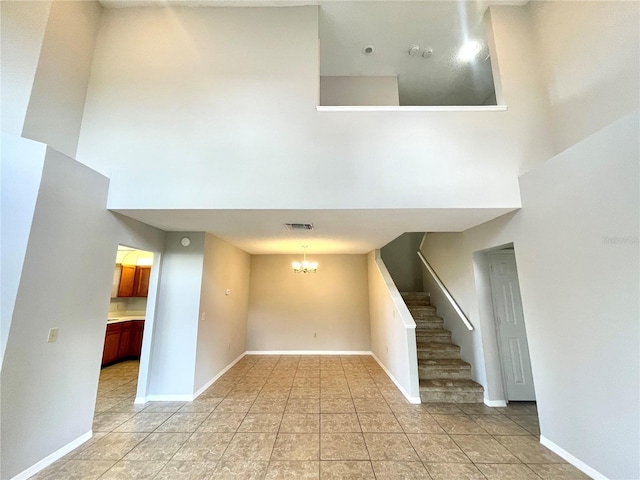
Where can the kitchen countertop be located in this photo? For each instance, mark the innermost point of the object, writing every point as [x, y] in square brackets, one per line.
[127, 318]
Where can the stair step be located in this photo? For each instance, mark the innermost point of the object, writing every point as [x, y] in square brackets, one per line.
[429, 322]
[428, 351]
[451, 369]
[451, 391]
[433, 335]
[421, 311]
[416, 298]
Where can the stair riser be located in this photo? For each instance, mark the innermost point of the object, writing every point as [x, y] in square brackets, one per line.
[424, 337]
[422, 311]
[416, 300]
[428, 324]
[439, 355]
[451, 373]
[440, 396]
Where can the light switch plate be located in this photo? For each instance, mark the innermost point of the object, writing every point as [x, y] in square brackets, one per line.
[53, 335]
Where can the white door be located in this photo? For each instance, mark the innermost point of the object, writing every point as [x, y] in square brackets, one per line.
[512, 336]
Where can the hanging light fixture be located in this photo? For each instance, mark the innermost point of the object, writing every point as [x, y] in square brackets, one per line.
[305, 267]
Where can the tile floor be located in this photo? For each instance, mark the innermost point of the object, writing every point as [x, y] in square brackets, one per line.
[305, 417]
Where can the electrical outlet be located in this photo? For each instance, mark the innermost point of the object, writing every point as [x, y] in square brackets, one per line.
[53, 335]
[202, 317]
[227, 292]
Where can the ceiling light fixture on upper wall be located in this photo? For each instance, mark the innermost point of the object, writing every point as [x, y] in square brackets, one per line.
[427, 53]
[413, 51]
[305, 267]
[469, 51]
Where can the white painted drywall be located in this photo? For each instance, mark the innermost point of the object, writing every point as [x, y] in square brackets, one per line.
[232, 94]
[359, 91]
[59, 89]
[49, 389]
[587, 54]
[173, 353]
[576, 244]
[402, 262]
[23, 26]
[327, 310]
[393, 330]
[222, 327]
[22, 163]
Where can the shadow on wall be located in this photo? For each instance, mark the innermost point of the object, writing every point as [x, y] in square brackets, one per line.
[401, 259]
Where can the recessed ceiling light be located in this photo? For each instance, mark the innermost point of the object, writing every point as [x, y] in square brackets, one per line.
[469, 51]
[368, 50]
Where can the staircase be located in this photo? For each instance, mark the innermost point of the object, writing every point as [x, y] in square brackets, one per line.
[444, 376]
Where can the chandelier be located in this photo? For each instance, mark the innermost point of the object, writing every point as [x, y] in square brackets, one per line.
[305, 267]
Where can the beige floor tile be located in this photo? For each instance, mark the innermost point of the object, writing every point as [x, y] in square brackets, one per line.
[113, 446]
[234, 405]
[222, 422]
[337, 405]
[389, 470]
[558, 471]
[158, 447]
[481, 409]
[390, 446]
[125, 406]
[418, 423]
[250, 446]
[293, 470]
[183, 422]
[499, 425]
[296, 446]
[454, 471]
[79, 470]
[163, 407]
[521, 408]
[186, 470]
[143, 422]
[302, 405]
[459, 424]
[483, 449]
[346, 470]
[130, 470]
[106, 422]
[528, 422]
[508, 472]
[442, 408]
[207, 446]
[379, 422]
[436, 448]
[343, 446]
[269, 405]
[368, 405]
[313, 382]
[300, 423]
[240, 470]
[261, 422]
[529, 449]
[201, 405]
[339, 423]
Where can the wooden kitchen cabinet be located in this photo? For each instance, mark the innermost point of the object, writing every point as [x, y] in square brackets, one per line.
[123, 341]
[141, 281]
[134, 281]
[127, 280]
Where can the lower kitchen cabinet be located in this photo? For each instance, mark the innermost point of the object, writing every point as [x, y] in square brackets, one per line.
[123, 341]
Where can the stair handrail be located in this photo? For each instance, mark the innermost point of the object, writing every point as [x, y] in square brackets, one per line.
[452, 300]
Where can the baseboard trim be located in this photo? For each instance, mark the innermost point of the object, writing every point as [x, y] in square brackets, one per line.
[495, 403]
[576, 462]
[414, 400]
[222, 372]
[308, 352]
[57, 455]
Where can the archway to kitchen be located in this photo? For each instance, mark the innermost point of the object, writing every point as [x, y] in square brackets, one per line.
[128, 336]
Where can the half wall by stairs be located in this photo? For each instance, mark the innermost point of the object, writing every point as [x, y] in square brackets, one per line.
[444, 376]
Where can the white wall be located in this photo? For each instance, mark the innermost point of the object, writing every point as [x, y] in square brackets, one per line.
[587, 54]
[22, 163]
[222, 329]
[232, 94]
[173, 353]
[59, 88]
[49, 389]
[393, 330]
[401, 259]
[325, 311]
[576, 244]
[23, 26]
[359, 91]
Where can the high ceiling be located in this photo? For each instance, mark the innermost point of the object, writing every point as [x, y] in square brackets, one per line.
[345, 28]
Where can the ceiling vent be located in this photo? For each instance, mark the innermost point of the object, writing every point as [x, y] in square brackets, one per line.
[298, 226]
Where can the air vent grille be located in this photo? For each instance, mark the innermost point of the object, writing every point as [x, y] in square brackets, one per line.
[298, 226]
